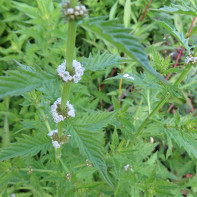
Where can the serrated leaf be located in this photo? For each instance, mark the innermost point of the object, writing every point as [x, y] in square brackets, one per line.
[137, 80]
[174, 92]
[115, 138]
[28, 145]
[179, 36]
[183, 139]
[115, 102]
[24, 79]
[121, 38]
[178, 9]
[88, 135]
[101, 61]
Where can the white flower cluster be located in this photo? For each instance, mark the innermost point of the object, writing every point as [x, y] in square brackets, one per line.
[65, 75]
[76, 12]
[128, 167]
[55, 143]
[128, 76]
[191, 59]
[69, 108]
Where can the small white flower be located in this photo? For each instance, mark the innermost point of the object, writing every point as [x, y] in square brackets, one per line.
[83, 8]
[65, 75]
[190, 58]
[128, 167]
[52, 132]
[81, 12]
[151, 139]
[13, 195]
[58, 118]
[56, 144]
[70, 11]
[128, 76]
[77, 8]
[71, 111]
[77, 13]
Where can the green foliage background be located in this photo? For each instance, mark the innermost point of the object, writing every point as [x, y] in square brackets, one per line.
[32, 45]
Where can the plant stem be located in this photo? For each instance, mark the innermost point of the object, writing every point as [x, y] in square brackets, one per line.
[120, 83]
[164, 100]
[36, 170]
[6, 134]
[70, 46]
[146, 10]
[182, 48]
[45, 119]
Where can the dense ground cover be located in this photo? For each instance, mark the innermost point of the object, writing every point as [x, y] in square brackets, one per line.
[130, 127]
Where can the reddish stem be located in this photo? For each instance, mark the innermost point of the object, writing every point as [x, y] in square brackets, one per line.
[145, 10]
[188, 34]
[179, 56]
[182, 48]
[111, 75]
[177, 61]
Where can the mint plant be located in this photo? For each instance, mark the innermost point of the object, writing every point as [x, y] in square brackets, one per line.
[93, 107]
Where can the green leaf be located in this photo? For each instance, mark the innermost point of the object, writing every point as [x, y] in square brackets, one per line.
[115, 102]
[24, 79]
[26, 146]
[121, 38]
[178, 9]
[88, 135]
[179, 36]
[137, 80]
[127, 13]
[183, 139]
[113, 11]
[101, 62]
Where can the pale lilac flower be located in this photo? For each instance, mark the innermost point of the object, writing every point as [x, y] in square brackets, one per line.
[77, 8]
[83, 8]
[58, 118]
[77, 11]
[56, 144]
[70, 11]
[52, 132]
[128, 167]
[191, 59]
[65, 75]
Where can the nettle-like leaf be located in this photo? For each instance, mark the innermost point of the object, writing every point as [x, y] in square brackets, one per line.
[101, 61]
[121, 38]
[179, 36]
[178, 9]
[137, 80]
[87, 134]
[26, 146]
[24, 79]
[183, 139]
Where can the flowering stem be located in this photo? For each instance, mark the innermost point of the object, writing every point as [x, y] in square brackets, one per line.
[6, 134]
[70, 46]
[182, 48]
[163, 101]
